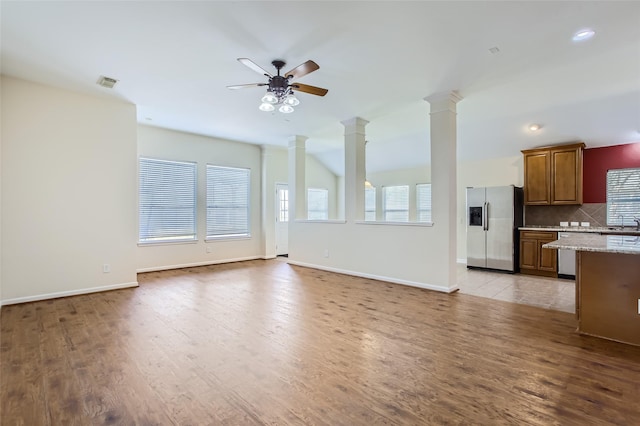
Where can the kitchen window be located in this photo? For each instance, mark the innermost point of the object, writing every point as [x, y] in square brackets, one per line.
[623, 196]
[395, 201]
[166, 201]
[317, 204]
[227, 202]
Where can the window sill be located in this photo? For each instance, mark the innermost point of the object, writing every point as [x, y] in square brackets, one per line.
[372, 222]
[319, 221]
[165, 243]
[227, 238]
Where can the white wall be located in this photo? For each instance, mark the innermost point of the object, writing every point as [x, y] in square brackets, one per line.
[492, 172]
[68, 192]
[171, 145]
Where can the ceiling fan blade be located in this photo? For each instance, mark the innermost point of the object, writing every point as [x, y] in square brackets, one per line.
[257, 68]
[244, 86]
[318, 91]
[302, 69]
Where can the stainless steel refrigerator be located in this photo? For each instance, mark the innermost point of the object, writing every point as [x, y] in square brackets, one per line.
[493, 217]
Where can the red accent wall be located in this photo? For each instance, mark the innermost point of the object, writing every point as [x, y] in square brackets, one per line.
[596, 163]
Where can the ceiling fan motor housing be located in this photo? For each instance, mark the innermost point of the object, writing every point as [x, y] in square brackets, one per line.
[278, 85]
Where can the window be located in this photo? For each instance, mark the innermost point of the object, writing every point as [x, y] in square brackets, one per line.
[370, 204]
[623, 196]
[396, 203]
[423, 195]
[227, 202]
[317, 204]
[167, 201]
[283, 205]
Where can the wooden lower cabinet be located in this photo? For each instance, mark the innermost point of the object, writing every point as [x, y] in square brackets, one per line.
[535, 260]
[608, 296]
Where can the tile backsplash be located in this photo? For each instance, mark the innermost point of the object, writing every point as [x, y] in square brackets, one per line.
[594, 213]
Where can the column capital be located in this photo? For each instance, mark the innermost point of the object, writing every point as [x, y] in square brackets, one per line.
[297, 141]
[354, 125]
[444, 101]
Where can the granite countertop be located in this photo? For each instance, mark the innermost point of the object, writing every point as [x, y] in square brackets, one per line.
[586, 229]
[624, 244]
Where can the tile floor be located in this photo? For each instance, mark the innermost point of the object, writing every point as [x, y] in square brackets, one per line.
[549, 293]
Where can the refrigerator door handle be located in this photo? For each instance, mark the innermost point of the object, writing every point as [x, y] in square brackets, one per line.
[485, 218]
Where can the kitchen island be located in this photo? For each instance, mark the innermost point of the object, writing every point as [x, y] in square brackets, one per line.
[607, 284]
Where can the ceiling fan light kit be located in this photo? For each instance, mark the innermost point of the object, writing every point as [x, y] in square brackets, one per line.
[280, 87]
[266, 107]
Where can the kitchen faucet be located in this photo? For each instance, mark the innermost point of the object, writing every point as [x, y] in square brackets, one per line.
[636, 219]
[621, 216]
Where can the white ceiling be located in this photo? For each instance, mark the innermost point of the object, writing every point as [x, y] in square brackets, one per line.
[378, 60]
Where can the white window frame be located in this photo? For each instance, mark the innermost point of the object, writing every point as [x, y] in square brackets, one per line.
[423, 202]
[321, 195]
[167, 201]
[228, 191]
[623, 196]
[391, 214]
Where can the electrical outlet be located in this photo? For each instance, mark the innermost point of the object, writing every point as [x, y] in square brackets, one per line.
[208, 249]
[326, 252]
[106, 268]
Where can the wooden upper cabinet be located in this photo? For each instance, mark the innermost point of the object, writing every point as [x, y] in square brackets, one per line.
[553, 175]
[537, 178]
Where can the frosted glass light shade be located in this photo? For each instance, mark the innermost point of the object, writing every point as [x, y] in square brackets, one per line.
[266, 107]
[270, 98]
[291, 100]
[286, 109]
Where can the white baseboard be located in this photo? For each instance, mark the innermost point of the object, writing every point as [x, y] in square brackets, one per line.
[191, 265]
[376, 277]
[67, 293]
[462, 261]
[270, 256]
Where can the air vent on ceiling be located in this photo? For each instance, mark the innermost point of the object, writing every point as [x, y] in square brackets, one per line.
[107, 82]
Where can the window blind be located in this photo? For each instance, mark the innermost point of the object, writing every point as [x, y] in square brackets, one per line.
[227, 202]
[623, 196]
[167, 200]
[423, 195]
[396, 203]
[370, 204]
[317, 204]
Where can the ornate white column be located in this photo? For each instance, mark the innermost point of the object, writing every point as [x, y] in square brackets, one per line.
[354, 168]
[297, 184]
[443, 177]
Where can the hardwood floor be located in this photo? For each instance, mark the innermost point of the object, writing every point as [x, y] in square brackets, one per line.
[263, 342]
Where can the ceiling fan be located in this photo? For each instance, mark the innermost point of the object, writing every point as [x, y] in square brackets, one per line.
[280, 87]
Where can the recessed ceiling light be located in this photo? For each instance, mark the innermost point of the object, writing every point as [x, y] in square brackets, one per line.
[583, 34]
[494, 50]
[535, 127]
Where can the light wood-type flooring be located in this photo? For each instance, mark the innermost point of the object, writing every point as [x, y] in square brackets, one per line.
[264, 342]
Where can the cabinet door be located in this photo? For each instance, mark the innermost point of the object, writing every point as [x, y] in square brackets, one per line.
[548, 258]
[528, 254]
[537, 177]
[566, 176]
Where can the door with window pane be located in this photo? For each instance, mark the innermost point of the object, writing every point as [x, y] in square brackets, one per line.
[282, 219]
